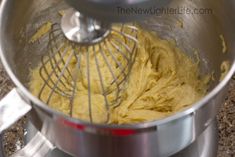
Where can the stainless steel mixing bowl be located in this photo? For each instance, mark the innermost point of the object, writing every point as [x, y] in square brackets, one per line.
[157, 138]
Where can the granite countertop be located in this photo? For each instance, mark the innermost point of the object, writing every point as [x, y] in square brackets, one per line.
[226, 122]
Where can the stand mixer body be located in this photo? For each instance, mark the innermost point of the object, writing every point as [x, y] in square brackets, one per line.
[158, 138]
[109, 10]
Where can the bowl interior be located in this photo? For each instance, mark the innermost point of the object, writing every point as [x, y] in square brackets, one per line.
[195, 26]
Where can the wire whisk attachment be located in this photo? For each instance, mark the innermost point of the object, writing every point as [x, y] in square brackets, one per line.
[90, 78]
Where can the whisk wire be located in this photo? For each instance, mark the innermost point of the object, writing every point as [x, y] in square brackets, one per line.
[47, 76]
[110, 69]
[59, 77]
[89, 85]
[102, 84]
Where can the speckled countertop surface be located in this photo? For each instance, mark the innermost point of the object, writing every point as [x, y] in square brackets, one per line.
[226, 122]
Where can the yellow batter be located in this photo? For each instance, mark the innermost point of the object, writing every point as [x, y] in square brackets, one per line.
[163, 81]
